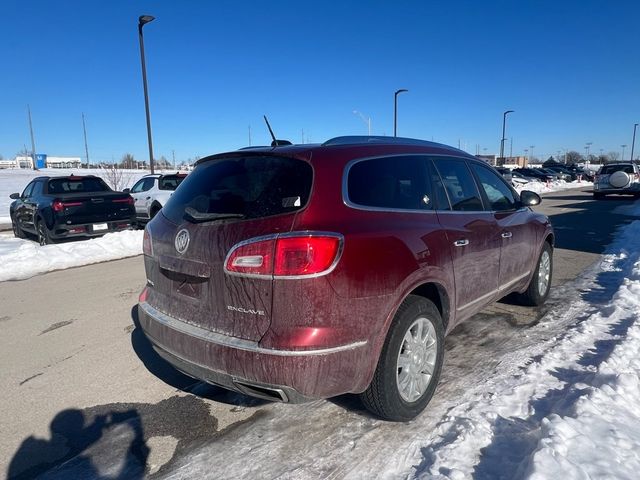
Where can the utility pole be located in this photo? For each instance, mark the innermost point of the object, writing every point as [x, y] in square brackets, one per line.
[173, 155]
[249, 135]
[511, 148]
[86, 148]
[303, 136]
[33, 142]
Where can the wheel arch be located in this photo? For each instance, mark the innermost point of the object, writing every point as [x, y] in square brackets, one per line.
[436, 293]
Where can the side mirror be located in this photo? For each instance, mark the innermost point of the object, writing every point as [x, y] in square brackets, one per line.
[14, 196]
[529, 198]
[126, 190]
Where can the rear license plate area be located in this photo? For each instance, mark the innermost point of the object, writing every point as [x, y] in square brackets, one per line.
[100, 227]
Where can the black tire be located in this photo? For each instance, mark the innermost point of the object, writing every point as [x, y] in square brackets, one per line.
[383, 397]
[17, 231]
[154, 211]
[43, 233]
[598, 196]
[533, 296]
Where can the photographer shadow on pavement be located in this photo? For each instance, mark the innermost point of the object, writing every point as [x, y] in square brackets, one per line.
[79, 448]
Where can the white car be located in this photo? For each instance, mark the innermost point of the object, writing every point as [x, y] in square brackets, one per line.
[151, 192]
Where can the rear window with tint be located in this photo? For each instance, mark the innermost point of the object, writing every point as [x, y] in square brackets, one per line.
[609, 169]
[77, 185]
[170, 182]
[253, 186]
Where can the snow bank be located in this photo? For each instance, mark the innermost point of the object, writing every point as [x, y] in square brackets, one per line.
[542, 188]
[571, 413]
[20, 259]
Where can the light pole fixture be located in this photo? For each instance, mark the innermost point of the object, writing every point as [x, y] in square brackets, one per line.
[395, 110]
[142, 21]
[504, 124]
[366, 120]
[623, 147]
[633, 142]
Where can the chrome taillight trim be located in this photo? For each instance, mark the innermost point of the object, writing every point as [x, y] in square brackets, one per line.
[275, 236]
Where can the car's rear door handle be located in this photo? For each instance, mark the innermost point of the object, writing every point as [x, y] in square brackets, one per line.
[507, 235]
[461, 243]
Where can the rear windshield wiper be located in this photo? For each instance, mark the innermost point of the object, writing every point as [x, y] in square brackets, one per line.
[198, 217]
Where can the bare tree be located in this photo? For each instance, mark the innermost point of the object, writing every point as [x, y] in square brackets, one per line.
[116, 177]
[127, 161]
[613, 156]
[573, 157]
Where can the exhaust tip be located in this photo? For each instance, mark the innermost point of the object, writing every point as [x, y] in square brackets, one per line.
[259, 391]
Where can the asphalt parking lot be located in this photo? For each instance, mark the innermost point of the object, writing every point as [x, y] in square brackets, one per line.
[85, 395]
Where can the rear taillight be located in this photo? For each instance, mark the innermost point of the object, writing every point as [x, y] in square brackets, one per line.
[128, 200]
[291, 255]
[143, 295]
[59, 206]
[147, 246]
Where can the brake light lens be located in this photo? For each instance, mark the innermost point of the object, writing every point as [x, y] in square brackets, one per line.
[288, 256]
[147, 245]
[128, 200]
[59, 206]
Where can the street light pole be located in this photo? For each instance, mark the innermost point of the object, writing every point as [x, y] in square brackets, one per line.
[395, 110]
[623, 147]
[142, 21]
[504, 124]
[633, 143]
[86, 147]
[531, 154]
[366, 120]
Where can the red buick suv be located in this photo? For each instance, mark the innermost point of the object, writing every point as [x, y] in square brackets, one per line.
[300, 272]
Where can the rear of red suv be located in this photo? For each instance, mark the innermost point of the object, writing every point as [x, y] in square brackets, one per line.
[304, 272]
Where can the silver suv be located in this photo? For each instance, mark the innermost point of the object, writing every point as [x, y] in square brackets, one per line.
[620, 178]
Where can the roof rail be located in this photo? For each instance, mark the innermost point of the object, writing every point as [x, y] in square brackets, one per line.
[379, 139]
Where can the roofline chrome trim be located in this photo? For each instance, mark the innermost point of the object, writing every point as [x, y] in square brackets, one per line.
[238, 343]
[356, 206]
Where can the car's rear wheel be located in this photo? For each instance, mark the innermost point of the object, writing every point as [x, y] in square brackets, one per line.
[540, 284]
[410, 362]
[44, 236]
[17, 231]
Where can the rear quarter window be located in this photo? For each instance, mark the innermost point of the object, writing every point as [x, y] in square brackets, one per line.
[397, 183]
[609, 169]
[252, 186]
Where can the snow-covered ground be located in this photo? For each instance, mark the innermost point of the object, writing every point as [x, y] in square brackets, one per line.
[20, 259]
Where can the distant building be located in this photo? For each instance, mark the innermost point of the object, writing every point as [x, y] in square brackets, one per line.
[63, 162]
[43, 161]
[490, 159]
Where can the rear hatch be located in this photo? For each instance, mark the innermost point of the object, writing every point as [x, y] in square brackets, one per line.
[606, 180]
[83, 200]
[224, 201]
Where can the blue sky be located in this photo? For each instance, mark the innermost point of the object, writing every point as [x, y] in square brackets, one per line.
[569, 69]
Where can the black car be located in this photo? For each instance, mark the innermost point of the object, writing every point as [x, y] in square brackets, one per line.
[53, 208]
[535, 173]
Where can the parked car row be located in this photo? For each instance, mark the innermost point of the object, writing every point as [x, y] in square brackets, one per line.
[57, 208]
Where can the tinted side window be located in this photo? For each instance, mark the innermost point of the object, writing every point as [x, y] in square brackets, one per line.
[459, 184]
[390, 182]
[138, 186]
[498, 193]
[253, 186]
[37, 189]
[170, 182]
[27, 191]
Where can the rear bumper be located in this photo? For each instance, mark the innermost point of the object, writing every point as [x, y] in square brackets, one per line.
[283, 375]
[62, 231]
[633, 189]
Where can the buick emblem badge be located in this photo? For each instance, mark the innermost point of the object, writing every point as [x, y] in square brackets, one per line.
[182, 241]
